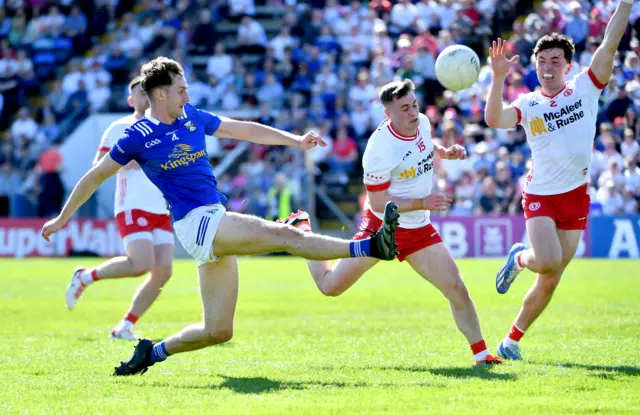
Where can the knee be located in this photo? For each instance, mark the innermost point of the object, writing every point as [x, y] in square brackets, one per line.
[457, 292]
[330, 291]
[217, 336]
[550, 263]
[161, 274]
[141, 266]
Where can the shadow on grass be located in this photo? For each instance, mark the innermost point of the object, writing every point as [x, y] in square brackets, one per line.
[260, 385]
[607, 372]
[480, 372]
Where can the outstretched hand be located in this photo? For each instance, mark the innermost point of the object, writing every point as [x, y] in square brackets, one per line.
[311, 140]
[500, 65]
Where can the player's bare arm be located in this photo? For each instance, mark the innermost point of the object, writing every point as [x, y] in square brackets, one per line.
[602, 62]
[82, 191]
[379, 199]
[262, 134]
[100, 155]
[496, 114]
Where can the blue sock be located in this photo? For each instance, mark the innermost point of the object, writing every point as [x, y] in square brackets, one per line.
[360, 248]
[159, 353]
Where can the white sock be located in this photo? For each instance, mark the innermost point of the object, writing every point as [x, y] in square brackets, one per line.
[481, 356]
[518, 259]
[508, 341]
[124, 325]
[86, 277]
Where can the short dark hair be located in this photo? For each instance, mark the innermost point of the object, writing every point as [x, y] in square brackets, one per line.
[135, 82]
[158, 74]
[395, 90]
[553, 41]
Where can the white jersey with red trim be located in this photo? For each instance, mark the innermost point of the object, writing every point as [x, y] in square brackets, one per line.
[401, 165]
[560, 131]
[133, 188]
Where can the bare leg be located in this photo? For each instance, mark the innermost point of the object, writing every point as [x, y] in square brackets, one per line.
[544, 256]
[249, 235]
[139, 260]
[149, 291]
[219, 292]
[436, 265]
[542, 290]
[334, 281]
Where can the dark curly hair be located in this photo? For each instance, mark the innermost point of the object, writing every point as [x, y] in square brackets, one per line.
[159, 73]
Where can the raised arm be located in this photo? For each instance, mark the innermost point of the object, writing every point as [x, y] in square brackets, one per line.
[602, 61]
[262, 134]
[82, 191]
[497, 115]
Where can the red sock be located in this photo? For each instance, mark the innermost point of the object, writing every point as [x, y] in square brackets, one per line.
[519, 260]
[515, 333]
[132, 318]
[94, 274]
[478, 347]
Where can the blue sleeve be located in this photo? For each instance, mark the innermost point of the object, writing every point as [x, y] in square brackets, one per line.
[125, 149]
[211, 121]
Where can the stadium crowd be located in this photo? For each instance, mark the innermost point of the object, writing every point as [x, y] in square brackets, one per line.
[306, 65]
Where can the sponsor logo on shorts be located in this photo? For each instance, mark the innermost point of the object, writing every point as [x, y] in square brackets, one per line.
[533, 206]
[142, 222]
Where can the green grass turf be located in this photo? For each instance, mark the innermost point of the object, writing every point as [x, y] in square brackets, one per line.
[389, 345]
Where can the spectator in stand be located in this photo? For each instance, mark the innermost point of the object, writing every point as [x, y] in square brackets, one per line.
[251, 36]
[9, 187]
[52, 190]
[220, 64]
[610, 199]
[345, 152]
[203, 35]
[24, 125]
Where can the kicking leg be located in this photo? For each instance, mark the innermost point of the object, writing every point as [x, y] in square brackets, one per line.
[148, 292]
[139, 260]
[247, 235]
[436, 265]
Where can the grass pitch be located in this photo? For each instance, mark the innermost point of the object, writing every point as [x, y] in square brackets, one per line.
[388, 345]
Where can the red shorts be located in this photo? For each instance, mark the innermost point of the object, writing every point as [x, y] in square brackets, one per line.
[568, 210]
[138, 224]
[409, 241]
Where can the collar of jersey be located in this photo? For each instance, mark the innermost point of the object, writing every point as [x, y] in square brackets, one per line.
[147, 115]
[559, 92]
[396, 134]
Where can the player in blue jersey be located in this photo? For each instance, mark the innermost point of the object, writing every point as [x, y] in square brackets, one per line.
[169, 145]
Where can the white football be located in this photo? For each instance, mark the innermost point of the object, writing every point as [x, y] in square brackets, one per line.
[457, 67]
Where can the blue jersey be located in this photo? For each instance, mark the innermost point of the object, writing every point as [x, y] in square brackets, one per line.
[174, 158]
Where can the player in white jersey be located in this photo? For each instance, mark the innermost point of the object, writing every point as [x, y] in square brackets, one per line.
[144, 224]
[560, 122]
[398, 167]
